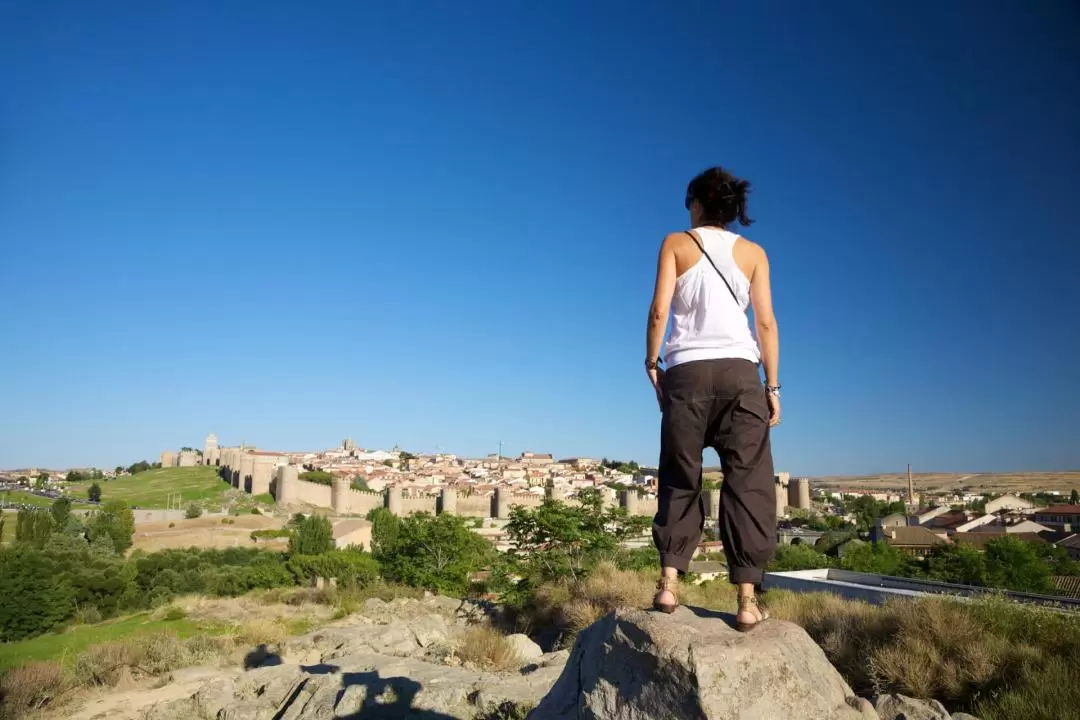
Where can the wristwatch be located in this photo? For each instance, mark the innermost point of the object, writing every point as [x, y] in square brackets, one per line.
[653, 364]
[772, 390]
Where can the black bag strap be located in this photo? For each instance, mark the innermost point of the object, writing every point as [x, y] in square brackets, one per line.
[701, 246]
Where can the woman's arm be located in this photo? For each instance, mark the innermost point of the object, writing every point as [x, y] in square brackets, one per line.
[768, 336]
[660, 310]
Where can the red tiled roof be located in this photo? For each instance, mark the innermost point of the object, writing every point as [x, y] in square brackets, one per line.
[1059, 510]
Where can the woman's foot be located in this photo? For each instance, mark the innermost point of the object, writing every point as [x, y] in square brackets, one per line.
[752, 612]
[666, 598]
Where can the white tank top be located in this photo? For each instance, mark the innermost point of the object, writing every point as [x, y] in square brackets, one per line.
[707, 323]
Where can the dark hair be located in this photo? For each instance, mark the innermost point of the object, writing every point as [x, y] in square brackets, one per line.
[722, 197]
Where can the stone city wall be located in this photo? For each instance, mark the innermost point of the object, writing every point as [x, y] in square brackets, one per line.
[360, 502]
[311, 493]
[412, 504]
[474, 506]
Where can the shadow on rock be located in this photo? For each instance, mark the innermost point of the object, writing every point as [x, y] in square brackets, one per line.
[261, 656]
[366, 696]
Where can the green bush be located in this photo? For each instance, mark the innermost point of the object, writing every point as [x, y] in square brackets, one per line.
[34, 596]
[193, 511]
[271, 533]
[798, 557]
[438, 553]
[314, 536]
[351, 568]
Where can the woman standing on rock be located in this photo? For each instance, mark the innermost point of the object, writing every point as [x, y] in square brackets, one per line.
[711, 394]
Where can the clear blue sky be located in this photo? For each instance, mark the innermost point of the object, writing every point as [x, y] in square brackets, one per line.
[435, 224]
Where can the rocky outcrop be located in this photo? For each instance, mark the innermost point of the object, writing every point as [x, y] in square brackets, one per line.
[391, 660]
[901, 707]
[692, 665]
[397, 660]
[359, 686]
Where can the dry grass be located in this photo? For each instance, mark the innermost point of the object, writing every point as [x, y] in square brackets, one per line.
[993, 658]
[487, 648]
[998, 660]
[115, 663]
[32, 687]
[572, 607]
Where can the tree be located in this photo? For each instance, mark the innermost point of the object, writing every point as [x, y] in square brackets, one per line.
[798, 557]
[116, 520]
[93, 493]
[34, 596]
[61, 511]
[880, 558]
[33, 527]
[958, 563]
[438, 553]
[42, 478]
[193, 511]
[23, 480]
[558, 540]
[75, 476]
[1015, 565]
[314, 535]
[359, 482]
[1074, 497]
[141, 466]
[119, 470]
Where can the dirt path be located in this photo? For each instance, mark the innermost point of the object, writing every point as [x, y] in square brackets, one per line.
[132, 704]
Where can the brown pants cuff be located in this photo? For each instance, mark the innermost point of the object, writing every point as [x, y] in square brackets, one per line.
[678, 562]
[738, 575]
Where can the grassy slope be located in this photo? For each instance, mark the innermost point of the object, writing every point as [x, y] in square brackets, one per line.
[151, 489]
[25, 498]
[65, 646]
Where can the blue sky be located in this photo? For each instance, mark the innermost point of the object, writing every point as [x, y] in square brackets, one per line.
[435, 225]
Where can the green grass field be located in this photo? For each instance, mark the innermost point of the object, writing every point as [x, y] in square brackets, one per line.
[7, 533]
[153, 488]
[66, 645]
[25, 498]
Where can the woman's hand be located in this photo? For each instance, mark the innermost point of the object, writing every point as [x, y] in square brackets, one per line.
[774, 408]
[656, 377]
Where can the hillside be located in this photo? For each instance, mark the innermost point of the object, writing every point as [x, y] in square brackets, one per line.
[154, 488]
[957, 482]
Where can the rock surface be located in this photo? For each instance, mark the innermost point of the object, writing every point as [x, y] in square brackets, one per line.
[524, 647]
[398, 660]
[692, 665]
[902, 707]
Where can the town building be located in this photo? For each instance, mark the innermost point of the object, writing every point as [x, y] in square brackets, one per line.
[1059, 517]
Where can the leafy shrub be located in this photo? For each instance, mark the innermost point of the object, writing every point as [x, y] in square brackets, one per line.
[270, 533]
[351, 568]
[193, 511]
[314, 536]
[438, 553]
[34, 596]
[798, 557]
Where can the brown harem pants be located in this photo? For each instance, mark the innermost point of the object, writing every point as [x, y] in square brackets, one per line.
[719, 404]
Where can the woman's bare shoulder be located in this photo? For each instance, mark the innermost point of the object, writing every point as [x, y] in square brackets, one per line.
[750, 248]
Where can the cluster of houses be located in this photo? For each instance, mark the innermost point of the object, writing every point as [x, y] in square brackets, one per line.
[918, 534]
[428, 474]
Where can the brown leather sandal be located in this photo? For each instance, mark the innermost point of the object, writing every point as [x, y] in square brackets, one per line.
[670, 585]
[751, 604]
